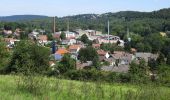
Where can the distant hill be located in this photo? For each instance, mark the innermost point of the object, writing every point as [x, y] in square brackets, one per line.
[163, 13]
[155, 21]
[21, 17]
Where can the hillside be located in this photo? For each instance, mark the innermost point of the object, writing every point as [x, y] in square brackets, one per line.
[74, 90]
[163, 13]
[142, 23]
[21, 17]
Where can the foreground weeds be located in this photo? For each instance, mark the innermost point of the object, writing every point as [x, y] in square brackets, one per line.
[31, 83]
[43, 88]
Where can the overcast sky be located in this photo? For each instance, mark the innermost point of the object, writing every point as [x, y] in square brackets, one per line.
[73, 7]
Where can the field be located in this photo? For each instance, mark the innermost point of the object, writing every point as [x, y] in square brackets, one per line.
[58, 89]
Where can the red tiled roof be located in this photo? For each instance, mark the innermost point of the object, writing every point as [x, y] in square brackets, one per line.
[96, 45]
[120, 54]
[133, 50]
[62, 51]
[71, 37]
[9, 39]
[43, 37]
[74, 47]
[56, 36]
[101, 52]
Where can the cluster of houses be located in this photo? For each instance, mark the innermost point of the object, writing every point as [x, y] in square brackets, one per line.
[92, 35]
[12, 37]
[118, 61]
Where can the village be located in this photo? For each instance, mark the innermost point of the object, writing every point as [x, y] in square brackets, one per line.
[116, 61]
[85, 50]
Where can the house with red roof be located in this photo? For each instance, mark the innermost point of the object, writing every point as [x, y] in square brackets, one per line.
[74, 48]
[42, 39]
[96, 46]
[103, 54]
[122, 58]
[60, 53]
[11, 42]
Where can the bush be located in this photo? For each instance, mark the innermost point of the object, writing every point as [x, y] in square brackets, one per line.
[95, 75]
[30, 56]
[106, 63]
[4, 56]
[164, 75]
[88, 75]
[67, 63]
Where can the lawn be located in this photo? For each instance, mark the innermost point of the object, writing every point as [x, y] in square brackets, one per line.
[59, 89]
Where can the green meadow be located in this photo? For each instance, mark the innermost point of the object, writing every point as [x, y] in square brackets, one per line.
[59, 89]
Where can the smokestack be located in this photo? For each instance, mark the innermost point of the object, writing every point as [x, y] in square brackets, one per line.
[54, 25]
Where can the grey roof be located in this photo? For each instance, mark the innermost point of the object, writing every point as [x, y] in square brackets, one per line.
[143, 55]
[65, 42]
[122, 55]
[146, 55]
[82, 65]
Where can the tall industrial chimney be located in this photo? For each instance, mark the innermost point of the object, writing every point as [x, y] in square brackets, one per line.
[54, 30]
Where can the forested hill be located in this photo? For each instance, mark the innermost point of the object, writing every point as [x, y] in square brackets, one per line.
[163, 13]
[142, 23]
[138, 22]
[21, 17]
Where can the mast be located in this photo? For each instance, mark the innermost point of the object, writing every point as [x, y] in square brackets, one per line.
[128, 35]
[68, 26]
[109, 31]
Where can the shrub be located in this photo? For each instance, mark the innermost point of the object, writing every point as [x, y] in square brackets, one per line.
[30, 56]
[4, 56]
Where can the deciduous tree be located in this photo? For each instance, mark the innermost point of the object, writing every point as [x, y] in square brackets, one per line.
[29, 57]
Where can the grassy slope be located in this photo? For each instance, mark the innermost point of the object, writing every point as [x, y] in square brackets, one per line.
[73, 90]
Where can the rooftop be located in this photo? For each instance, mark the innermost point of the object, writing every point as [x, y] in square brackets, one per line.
[74, 47]
[43, 37]
[62, 51]
[101, 52]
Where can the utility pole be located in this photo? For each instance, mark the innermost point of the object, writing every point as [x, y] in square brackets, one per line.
[68, 26]
[128, 34]
[109, 31]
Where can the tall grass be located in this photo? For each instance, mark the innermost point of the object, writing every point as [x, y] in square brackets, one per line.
[31, 83]
[58, 89]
